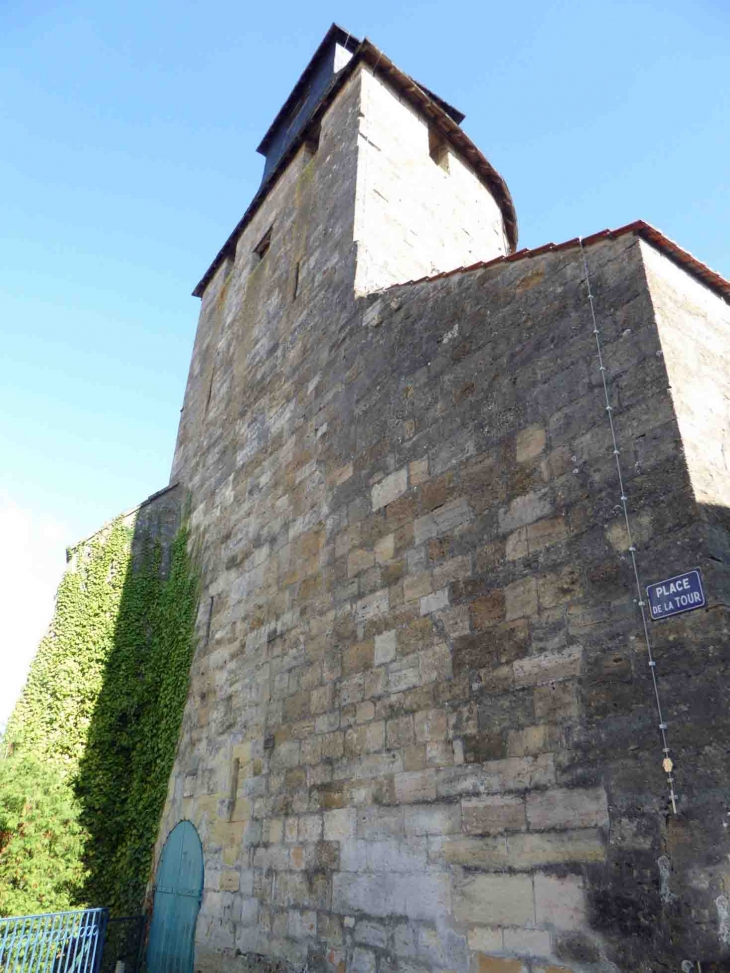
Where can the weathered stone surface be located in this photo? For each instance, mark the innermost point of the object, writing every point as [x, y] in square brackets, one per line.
[495, 899]
[423, 648]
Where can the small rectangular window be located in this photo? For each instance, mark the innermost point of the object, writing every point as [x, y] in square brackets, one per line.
[262, 247]
[438, 148]
[311, 143]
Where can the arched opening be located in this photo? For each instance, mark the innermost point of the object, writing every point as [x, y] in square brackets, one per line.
[178, 891]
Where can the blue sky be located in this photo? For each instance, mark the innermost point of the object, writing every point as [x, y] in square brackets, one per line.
[129, 135]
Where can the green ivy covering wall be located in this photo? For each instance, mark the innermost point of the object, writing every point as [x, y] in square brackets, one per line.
[101, 713]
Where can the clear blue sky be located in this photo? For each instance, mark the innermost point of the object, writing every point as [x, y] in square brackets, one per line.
[128, 155]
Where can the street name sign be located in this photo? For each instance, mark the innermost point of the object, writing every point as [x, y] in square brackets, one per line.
[682, 593]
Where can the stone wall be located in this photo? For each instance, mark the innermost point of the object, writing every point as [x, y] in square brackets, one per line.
[694, 326]
[414, 216]
[421, 732]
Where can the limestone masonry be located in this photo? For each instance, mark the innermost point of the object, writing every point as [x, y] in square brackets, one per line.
[421, 732]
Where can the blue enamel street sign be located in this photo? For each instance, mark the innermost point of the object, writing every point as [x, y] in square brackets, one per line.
[682, 593]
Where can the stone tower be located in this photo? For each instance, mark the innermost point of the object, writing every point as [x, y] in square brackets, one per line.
[421, 732]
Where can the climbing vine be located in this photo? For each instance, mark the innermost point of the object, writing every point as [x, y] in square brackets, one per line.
[101, 713]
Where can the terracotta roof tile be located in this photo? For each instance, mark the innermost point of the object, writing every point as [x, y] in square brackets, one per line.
[646, 231]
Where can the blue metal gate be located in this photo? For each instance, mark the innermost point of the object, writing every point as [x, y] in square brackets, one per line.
[58, 942]
[178, 891]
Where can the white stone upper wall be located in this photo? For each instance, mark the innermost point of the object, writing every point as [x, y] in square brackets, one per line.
[694, 326]
[414, 218]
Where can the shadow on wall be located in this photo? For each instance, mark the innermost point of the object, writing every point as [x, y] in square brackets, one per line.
[664, 892]
[92, 739]
[132, 737]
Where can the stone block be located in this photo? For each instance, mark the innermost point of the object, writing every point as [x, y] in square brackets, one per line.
[531, 740]
[442, 947]
[285, 755]
[322, 699]
[530, 443]
[415, 786]
[418, 471]
[384, 549]
[448, 454]
[401, 680]
[494, 964]
[525, 510]
[487, 611]
[340, 824]
[537, 670]
[520, 599]
[516, 545]
[429, 725]
[310, 827]
[442, 520]
[559, 587]
[560, 902]
[528, 850]
[493, 814]
[400, 732]
[291, 830]
[409, 856]
[379, 822]
[527, 942]
[495, 900]
[390, 488]
[365, 711]
[497, 776]
[433, 819]
[421, 896]
[567, 808]
[301, 924]
[545, 533]
[359, 560]
[435, 663]
[452, 570]
[405, 939]
[355, 658]
[490, 854]
[333, 745]
[329, 928]
[485, 939]
[229, 881]
[363, 961]
[435, 601]
[373, 605]
[556, 702]
[366, 738]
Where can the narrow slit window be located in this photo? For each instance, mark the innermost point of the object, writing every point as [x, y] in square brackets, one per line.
[235, 774]
[311, 143]
[262, 247]
[210, 392]
[438, 148]
[210, 620]
[295, 289]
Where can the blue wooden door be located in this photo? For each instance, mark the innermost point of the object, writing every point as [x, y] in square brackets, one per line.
[178, 891]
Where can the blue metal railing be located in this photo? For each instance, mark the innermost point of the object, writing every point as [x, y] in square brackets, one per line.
[58, 942]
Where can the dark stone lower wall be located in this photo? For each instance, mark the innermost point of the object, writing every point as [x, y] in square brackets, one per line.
[422, 731]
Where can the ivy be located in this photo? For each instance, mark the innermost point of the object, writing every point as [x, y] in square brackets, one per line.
[102, 708]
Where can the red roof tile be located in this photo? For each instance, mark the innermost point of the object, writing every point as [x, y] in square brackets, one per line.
[691, 264]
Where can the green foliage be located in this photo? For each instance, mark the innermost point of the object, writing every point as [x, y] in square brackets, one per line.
[40, 838]
[104, 700]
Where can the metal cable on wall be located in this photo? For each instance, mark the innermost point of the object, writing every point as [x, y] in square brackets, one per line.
[667, 764]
